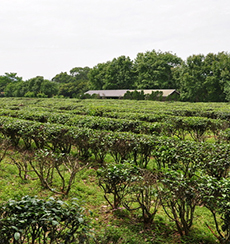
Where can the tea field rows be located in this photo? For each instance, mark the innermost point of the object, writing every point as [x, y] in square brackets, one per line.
[156, 171]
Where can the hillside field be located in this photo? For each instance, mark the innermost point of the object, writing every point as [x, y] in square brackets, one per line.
[144, 171]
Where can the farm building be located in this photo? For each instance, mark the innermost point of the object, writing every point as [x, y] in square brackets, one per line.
[166, 93]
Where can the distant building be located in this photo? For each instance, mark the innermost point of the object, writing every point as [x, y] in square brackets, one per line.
[166, 93]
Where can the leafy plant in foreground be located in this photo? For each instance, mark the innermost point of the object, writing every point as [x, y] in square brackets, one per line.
[115, 180]
[216, 159]
[179, 199]
[216, 198]
[31, 220]
[145, 194]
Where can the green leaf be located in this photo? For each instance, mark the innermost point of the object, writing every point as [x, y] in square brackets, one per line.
[54, 223]
[80, 220]
[17, 236]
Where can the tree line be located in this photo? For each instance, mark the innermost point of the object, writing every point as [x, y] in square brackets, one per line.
[199, 78]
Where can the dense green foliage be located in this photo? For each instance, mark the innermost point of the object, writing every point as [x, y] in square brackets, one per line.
[155, 70]
[63, 84]
[199, 78]
[205, 78]
[31, 220]
[117, 74]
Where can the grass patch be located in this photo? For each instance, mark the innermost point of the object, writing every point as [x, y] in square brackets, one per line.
[108, 226]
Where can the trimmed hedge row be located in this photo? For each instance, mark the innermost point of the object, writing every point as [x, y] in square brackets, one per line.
[86, 142]
[119, 107]
[169, 125]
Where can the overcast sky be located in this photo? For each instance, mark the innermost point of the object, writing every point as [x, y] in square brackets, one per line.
[47, 37]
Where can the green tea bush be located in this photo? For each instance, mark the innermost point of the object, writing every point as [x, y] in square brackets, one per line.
[216, 198]
[31, 220]
[115, 180]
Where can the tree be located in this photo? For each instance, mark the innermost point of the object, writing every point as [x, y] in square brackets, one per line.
[205, 78]
[155, 70]
[15, 89]
[34, 84]
[97, 76]
[73, 84]
[225, 73]
[72, 89]
[80, 73]
[8, 78]
[115, 74]
[49, 88]
[63, 77]
[120, 74]
[41, 86]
